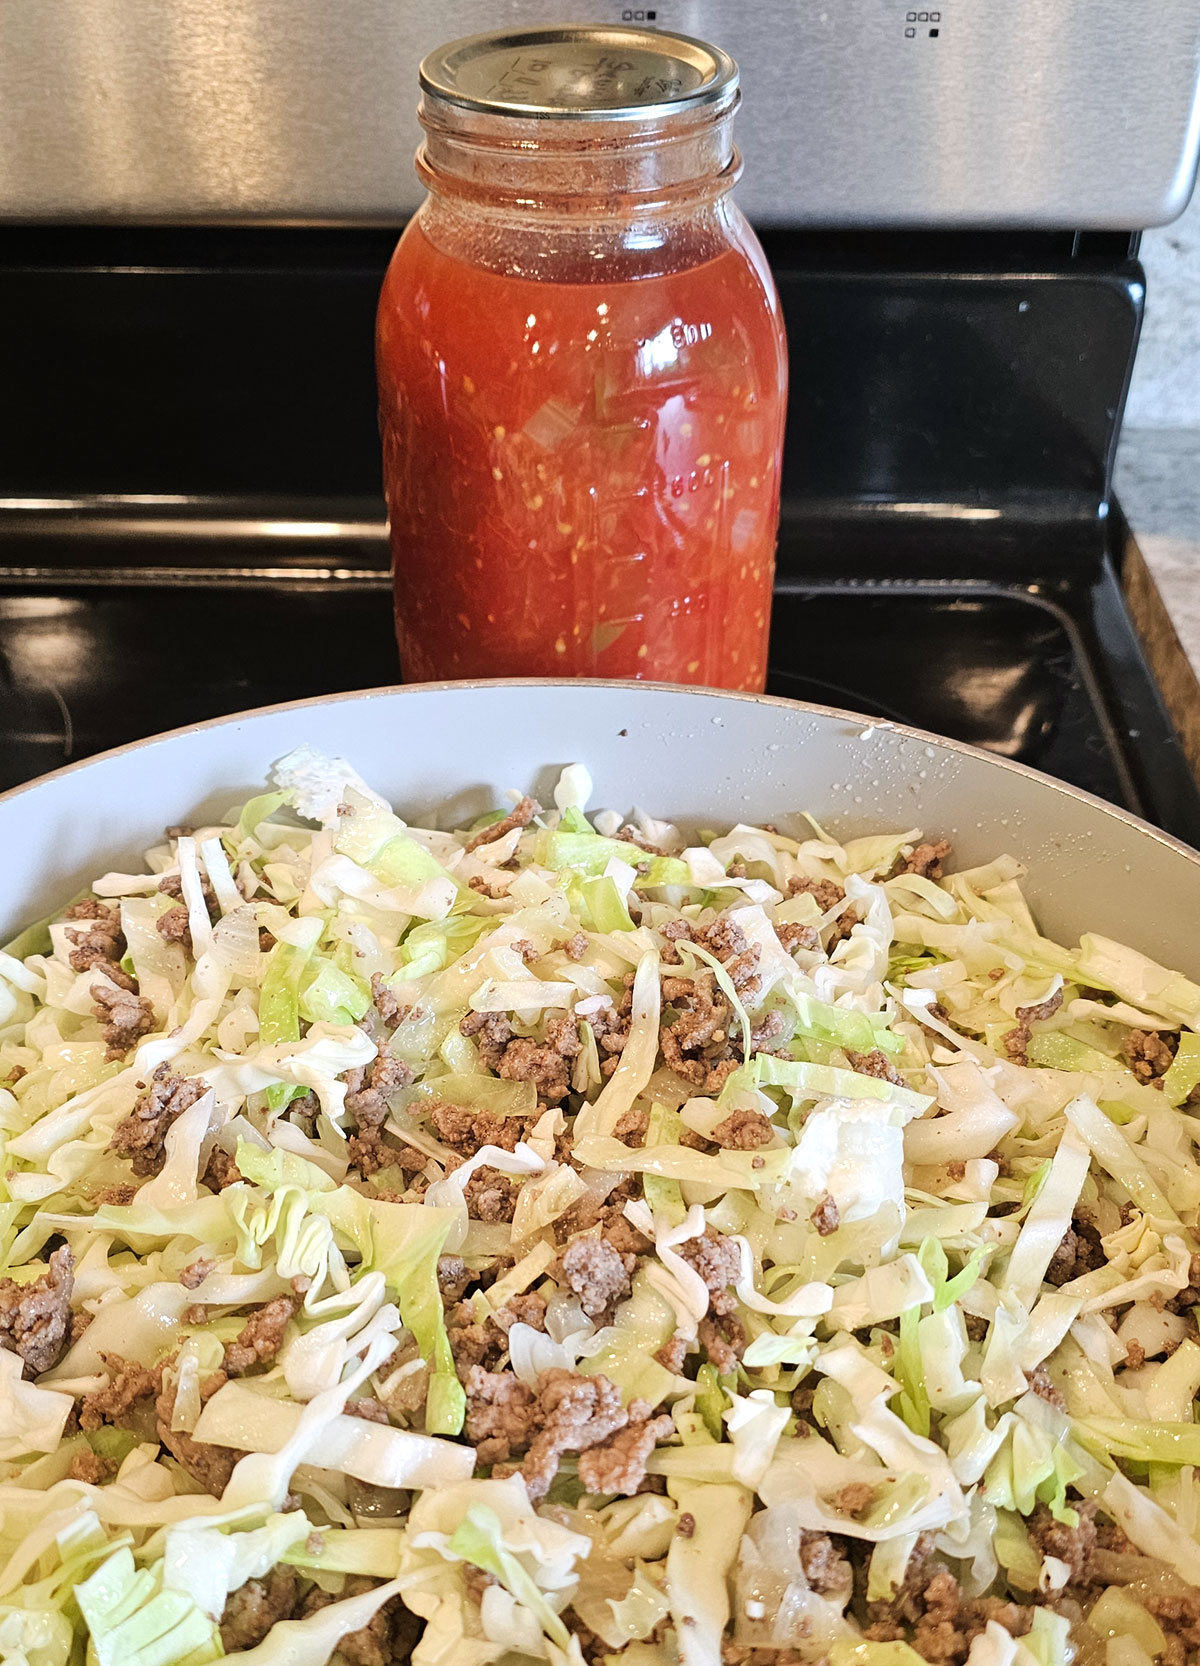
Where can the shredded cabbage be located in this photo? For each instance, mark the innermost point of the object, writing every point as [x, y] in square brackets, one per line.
[449, 1204]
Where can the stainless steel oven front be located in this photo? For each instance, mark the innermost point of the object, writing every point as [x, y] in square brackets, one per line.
[1080, 113]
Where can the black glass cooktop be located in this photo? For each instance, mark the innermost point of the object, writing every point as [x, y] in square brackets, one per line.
[1051, 675]
[948, 544]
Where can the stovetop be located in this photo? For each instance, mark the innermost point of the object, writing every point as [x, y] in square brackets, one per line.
[94, 654]
[190, 517]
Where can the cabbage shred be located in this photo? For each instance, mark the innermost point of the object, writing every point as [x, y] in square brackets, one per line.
[555, 1239]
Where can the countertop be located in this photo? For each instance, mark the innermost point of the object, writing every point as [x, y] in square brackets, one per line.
[1158, 487]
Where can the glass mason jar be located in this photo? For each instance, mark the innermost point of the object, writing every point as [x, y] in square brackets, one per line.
[582, 370]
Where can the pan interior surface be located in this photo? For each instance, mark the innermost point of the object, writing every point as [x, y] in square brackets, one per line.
[443, 754]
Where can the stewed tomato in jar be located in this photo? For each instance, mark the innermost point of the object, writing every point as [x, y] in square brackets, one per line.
[582, 370]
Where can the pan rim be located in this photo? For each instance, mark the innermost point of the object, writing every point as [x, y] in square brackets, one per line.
[630, 686]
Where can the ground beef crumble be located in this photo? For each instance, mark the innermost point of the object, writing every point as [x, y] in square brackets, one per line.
[673, 932]
[1043, 1385]
[490, 1196]
[1189, 1297]
[124, 1017]
[474, 1344]
[825, 1565]
[221, 1170]
[826, 1217]
[1072, 1545]
[171, 885]
[467, 1129]
[793, 935]
[453, 1276]
[927, 859]
[115, 1197]
[195, 1273]
[88, 1467]
[175, 927]
[35, 1318]
[598, 1275]
[520, 815]
[1079, 1252]
[631, 1127]
[744, 1131]
[573, 1414]
[610, 1026]
[141, 1136]
[697, 1043]
[875, 1063]
[618, 1465]
[930, 1613]
[501, 1414]
[718, 1261]
[368, 1088]
[547, 1064]
[728, 942]
[1017, 1041]
[260, 1337]
[609, 1215]
[826, 893]
[369, 1410]
[102, 945]
[568, 1413]
[673, 1353]
[1150, 1053]
[208, 1465]
[388, 1004]
[128, 1383]
[386, 1640]
[1178, 1613]
[252, 1609]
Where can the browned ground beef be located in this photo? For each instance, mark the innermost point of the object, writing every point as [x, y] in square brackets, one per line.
[1079, 1252]
[597, 1274]
[88, 1467]
[1017, 1041]
[210, 1466]
[254, 1607]
[175, 927]
[927, 859]
[387, 1640]
[697, 1043]
[142, 1134]
[467, 1129]
[128, 1383]
[221, 1170]
[519, 816]
[35, 1318]
[826, 1217]
[932, 1615]
[388, 1004]
[826, 893]
[1150, 1053]
[744, 1131]
[875, 1063]
[125, 1017]
[368, 1089]
[1072, 1545]
[260, 1337]
[618, 1465]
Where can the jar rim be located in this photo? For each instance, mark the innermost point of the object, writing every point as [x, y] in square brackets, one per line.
[579, 73]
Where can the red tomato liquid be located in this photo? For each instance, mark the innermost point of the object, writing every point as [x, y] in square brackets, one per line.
[582, 478]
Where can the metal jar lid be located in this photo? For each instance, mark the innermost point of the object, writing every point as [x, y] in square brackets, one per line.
[585, 72]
